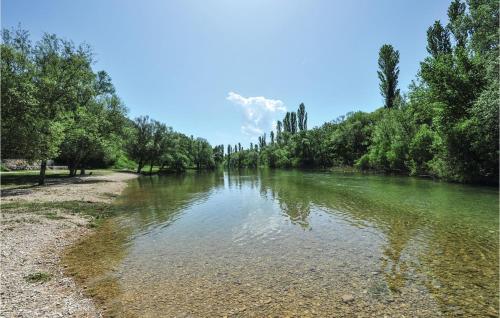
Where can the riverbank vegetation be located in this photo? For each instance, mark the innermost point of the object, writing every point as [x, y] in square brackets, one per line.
[56, 106]
[445, 125]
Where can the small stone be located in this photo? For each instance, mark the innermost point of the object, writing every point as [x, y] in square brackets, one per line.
[347, 298]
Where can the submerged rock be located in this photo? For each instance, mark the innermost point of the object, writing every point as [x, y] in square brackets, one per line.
[347, 298]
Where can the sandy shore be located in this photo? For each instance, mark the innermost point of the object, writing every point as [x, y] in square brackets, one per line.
[31, 242]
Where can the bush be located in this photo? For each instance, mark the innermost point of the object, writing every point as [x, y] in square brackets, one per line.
[422, 150]
[363, 163]
[3, 168]
[389, 148]
[124, 163]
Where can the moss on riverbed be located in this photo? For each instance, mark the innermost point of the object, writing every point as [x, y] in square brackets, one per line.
[93, 262]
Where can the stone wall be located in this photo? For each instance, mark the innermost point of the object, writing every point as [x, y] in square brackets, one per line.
[23, 164]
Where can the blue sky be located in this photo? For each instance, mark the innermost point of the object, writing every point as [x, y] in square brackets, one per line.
[226, 70]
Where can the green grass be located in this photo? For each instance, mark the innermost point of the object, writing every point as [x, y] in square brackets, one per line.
[98, 211]
[38, 277]
[21, 220]
[54, 216]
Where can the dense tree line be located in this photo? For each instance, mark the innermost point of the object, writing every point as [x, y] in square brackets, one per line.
[446, 125]
[153, 143]
[55, 106]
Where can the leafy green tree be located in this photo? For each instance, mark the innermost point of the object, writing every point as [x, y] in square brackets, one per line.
[388, 74]
[140, 143]
[391, 137]
[483, 132]
[82, 137]
[59, 79]
[93, 130]
[458, 22]
[64, 79]
[20, 107]
[203, 154]
[438, 40]
[218, 152]
[351, 138]
[182, 153]
[251, 159]
[422, 151]
[456, 82]
[157, 145]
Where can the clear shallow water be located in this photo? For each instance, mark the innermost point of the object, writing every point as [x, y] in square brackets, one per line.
[290, 243]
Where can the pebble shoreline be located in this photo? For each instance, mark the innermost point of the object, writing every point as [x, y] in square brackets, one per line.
[32, 243]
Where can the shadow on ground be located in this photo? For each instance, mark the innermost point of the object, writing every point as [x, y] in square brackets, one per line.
[13, 185]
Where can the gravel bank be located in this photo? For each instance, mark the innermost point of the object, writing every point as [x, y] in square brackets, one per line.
[31, 243]
[88, 188]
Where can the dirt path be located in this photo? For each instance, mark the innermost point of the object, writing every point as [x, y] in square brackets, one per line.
[31, 243]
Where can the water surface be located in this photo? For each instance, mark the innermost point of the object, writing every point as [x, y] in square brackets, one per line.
[291, 243]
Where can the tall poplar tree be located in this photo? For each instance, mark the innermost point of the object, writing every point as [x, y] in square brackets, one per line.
[388, 74]
[293, 122]
[438, 40]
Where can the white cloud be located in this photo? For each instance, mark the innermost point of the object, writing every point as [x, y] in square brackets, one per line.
[259, 112]
[269, 104]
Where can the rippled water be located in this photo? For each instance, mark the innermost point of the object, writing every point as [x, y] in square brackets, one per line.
[290, 243]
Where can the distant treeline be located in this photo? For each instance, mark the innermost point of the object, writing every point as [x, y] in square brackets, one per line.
[55, 106]
[445, 126]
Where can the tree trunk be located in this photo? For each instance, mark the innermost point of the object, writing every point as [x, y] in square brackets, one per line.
[139, 167]
[151, 169]
[82, 171]
[43, 168]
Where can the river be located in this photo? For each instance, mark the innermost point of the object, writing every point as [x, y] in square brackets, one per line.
[294, 243]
